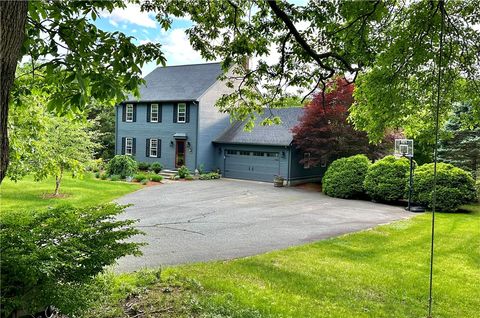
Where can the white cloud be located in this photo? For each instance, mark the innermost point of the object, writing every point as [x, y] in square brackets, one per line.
[177, 48]
[131, 14]
[113, 22]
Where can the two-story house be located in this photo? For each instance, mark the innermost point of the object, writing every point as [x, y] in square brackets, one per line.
[175, 122]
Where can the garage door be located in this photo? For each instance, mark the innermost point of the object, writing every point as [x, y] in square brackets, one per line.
[251, 165]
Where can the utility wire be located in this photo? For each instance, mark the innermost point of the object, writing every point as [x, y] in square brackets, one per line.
[441, 5]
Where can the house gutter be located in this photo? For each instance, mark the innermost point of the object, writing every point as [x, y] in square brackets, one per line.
[197, 134]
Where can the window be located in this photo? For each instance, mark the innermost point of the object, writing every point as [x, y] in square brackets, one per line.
[258, 153]
[231, 152]
[129, 113]
[181, 113]
[272, 154]
[129, 146]
[153, 147]
[244, 153]
[154, 113]
[306, 160]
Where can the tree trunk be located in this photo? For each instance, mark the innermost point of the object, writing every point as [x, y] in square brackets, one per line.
[58, 179]
[13, 17]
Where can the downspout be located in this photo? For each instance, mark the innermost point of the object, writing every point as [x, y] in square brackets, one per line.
[197, 135]
[116, 129]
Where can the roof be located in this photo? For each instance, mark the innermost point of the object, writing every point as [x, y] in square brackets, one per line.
[178, 83]
[274, 135]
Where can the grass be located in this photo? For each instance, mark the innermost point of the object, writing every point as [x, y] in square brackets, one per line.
[382, 272]
[29, 195]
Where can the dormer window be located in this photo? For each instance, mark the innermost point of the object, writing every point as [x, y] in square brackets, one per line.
[154, 113]
[129, 113]
[181, 112]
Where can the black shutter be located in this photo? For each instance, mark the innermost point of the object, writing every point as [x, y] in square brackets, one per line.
[159, 148]
[134, 112]
[123, 145]
[124, 111]
[149, 110]
[160, 107]
[175, 111]
[134, 146]
[187, 116]
[147, 148]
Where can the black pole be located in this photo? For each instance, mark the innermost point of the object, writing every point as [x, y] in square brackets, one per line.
[410, 190]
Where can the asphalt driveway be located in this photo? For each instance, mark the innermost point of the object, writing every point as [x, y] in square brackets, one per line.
[197, 221]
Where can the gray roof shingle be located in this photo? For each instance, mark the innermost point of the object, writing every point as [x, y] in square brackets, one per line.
[178, 83]
[274, 135]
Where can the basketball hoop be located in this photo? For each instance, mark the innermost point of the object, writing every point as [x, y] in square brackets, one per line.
[403, 148]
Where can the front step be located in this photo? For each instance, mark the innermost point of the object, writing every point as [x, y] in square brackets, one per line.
[168, 173]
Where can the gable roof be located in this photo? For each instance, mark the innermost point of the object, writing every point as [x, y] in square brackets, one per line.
[274, 135]
[178, 83]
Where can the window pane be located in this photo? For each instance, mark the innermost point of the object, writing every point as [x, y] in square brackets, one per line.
[232, 152]
[258, 153]
[181, 112]
[244, 153]
[154, 112]
[272, 154]
[129, 112]
[128, 146]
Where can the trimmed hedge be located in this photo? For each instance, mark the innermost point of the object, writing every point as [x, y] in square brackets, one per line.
[156, 167]
[386, 179]
[143, 166]
[122, 165]
[455, 187]
[344, 177]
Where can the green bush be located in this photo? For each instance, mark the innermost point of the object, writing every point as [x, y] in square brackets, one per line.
[103, 176]
[139, 177]
[477, 184]
[122, 165]
[455, 187]
[156, 178]
[97, 174]
[386, 179]
[209, 176]
[115, 177]
[344, 177]
[143, 166]
[156, 167]
[50, 257]
[144, 181]
[188, 177]
[183, 172]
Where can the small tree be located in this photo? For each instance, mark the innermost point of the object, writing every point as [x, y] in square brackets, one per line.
[325, 132]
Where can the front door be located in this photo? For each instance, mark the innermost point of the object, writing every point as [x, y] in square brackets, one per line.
[179, 153]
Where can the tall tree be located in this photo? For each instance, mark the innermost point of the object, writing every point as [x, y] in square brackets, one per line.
[460, 144]
[325, 132]
[391, 45]
[70, 56]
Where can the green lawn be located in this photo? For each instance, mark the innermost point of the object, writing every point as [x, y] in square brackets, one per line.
[381, 272]
[28, 194]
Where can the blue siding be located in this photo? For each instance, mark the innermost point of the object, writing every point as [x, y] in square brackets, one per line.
[142, 130]
[299, 173]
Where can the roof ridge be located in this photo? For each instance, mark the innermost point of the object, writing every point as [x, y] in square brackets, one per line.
[194, 64]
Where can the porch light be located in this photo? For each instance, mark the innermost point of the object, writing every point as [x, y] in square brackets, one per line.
[171, 143]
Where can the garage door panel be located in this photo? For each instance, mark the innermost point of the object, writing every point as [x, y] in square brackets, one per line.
[252, 167]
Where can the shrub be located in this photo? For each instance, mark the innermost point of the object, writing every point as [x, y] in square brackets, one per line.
[455, 187]
[115, 177]
[344, 177]
[144, 181]
[209, 176]
[156, 178]
[122, 165]
[139, 177]
[477, 184]
[386, 179]
[103, 176]
[188, 177]
[97, 174]
[143, 166]
[201, 169]
[183, 172]
[50, 257]
[156, 167]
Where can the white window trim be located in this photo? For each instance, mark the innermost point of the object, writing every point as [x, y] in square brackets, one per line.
[184, 113]
[151, 148]
[151, 113]
[128, 106]
[131, 146]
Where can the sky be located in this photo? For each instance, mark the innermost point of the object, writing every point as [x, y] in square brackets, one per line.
[144, 27]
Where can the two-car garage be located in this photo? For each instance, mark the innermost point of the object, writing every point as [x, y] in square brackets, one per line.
[251, 164]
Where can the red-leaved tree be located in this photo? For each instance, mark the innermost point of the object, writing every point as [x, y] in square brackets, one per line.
[325, 133]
